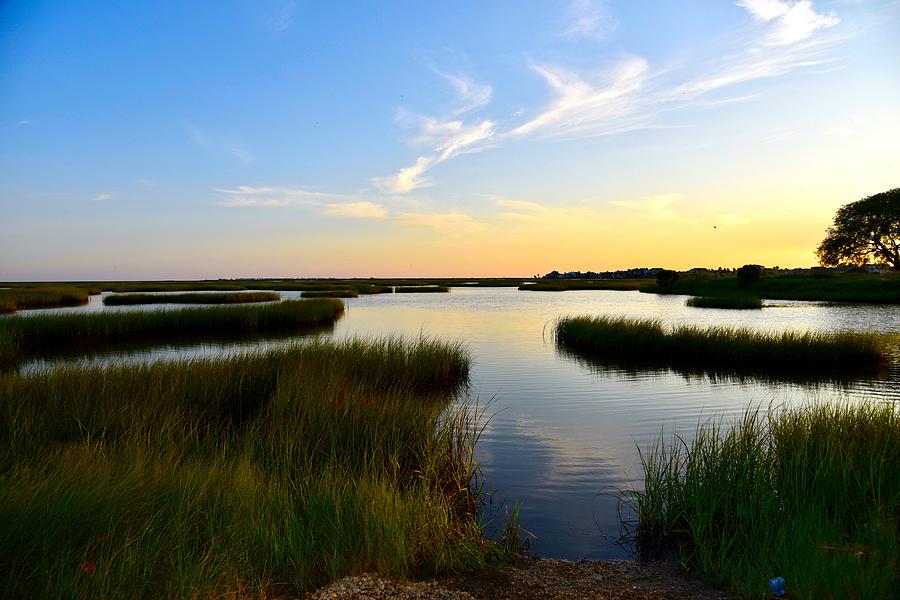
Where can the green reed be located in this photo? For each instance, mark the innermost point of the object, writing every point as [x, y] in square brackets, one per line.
[731, 301]
[564, 285]
[36, 333]
[422, 289]
[41, 296]
[190, 298]
[811, 494]
[824, 286]
[336, 293]
[735, 348]
[262, 474]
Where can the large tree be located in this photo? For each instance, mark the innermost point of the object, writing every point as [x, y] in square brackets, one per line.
[864, 231]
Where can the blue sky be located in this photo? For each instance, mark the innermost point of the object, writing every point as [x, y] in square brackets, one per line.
[180, 139]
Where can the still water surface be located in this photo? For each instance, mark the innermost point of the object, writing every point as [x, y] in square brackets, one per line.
[562, 439]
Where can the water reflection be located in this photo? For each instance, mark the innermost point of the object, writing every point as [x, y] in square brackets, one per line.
[717, 375]
[177, 347]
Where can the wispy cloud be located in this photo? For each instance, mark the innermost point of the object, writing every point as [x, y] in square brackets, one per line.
[282, 17]
[23, 122]
[791, 21]
[104, 197]
[607, 105]
[628, 93]
[588, 19]
[470, 94]
[332, 205]
[520, 205]
[268, 196]
[444, 137]
[220, 146]
[448, 223]
[658, 207]
[343, 206]
[240, 153]
[199, 138]
[406, 179]
[355, 210]
[458, 139]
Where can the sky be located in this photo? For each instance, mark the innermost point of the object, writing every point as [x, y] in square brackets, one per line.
[280, 138]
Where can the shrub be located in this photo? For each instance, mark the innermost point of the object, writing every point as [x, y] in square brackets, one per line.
[748, 274]
[666, 277]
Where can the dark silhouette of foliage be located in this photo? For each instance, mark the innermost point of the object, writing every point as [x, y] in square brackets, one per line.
[748, 274]
[666, 277]
[864, 231]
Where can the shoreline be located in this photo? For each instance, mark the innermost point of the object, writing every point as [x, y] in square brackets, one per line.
[534, 579]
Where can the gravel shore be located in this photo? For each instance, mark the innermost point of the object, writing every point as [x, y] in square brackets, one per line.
[535, 579]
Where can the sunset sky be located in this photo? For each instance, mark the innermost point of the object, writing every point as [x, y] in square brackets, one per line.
[280, 138]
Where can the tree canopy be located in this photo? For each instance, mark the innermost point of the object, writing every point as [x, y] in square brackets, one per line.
[864, 231]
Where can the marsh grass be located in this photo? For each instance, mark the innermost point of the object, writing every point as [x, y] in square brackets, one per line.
[373, 289]
[24, 298]
[726, 347]
[362, 285]
[731, 302]
[268, 473]
[563, 285]
[190, 298]
[422, 289]
[811, 494]
[40, 333]
[10, 350]
[338, 293]
[828, 287]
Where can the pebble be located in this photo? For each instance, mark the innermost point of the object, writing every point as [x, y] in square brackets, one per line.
[534, 579]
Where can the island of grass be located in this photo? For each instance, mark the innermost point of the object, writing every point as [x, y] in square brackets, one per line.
[731, 348]
[191, 298]
[373, 289]
[564, 285]
[264, 475]
[811, 494]
[422, 289]
[42, 296]
[42, 333]
[824, 286]
[732, 302]
[362, 285]
[338, 293]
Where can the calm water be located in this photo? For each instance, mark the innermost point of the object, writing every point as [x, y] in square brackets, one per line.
[563, 435]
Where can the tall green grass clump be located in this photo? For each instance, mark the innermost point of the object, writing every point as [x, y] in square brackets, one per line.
[734, 348]
[365, 289]
[827, 287]
[811, 494]
[41, 296]
[43, 332]
[564, 285]
[266, 474]
[10, 350]
[338, 293]
[421, 289]
[732, 302]
[190, 298]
